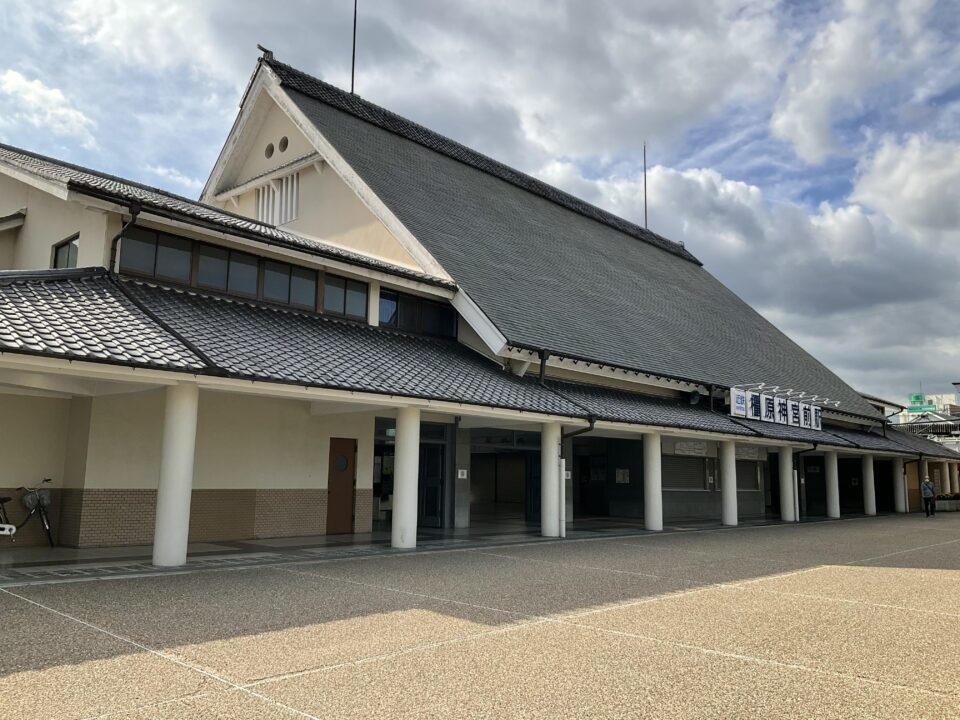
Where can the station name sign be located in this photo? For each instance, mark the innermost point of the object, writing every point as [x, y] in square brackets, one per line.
[754, 405]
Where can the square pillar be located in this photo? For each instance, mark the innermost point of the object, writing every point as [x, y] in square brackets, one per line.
[869, 489]
[406, 478]
[550, 479]
[652, 483]
[787, 508]
[728, 482]
[461, 492]
[832, 483]
[954, 479]
[899, 486]
[172, 525]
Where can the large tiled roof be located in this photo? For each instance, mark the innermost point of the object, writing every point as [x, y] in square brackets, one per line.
[294, 79]
[552, 276]
[167, 204]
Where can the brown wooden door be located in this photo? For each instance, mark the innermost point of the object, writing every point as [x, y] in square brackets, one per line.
[341, 478]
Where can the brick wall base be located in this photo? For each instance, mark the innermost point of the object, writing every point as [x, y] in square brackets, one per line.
[103, 518]
[363, 510]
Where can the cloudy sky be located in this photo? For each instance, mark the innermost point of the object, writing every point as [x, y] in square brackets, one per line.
[808, 153]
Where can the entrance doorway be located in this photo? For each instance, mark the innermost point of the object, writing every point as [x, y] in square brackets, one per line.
[433, 485]
[341, 479]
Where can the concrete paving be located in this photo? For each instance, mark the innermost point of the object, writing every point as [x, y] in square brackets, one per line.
[847, 619]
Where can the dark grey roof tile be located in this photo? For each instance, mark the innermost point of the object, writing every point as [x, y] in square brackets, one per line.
[551, 277]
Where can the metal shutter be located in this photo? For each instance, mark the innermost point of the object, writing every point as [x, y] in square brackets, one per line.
[747, 475]
[685, 473]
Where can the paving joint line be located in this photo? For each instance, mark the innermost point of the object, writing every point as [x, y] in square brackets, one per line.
[159, 653]
[828, 598]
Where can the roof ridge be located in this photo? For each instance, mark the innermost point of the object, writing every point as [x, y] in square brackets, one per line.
[437, 142]
[51, 274]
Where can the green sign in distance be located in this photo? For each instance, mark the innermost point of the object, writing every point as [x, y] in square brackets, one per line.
[921, 408]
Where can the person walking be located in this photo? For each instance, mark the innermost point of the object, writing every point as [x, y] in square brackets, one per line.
[929, 496]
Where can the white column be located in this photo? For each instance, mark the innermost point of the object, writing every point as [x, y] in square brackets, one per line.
[406, 478]
[787, 510]
[899, 486]
[923, 470]
[833, 484]
[954, 479]
[176, 475]
[550, 479]
[869, 490]
[652, 483]
[945, 478]
[728, 482]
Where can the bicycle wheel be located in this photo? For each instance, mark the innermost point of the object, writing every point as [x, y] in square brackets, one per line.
[46, 526]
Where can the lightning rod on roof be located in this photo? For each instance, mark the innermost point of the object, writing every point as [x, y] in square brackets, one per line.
[353, 59]
[645, 225]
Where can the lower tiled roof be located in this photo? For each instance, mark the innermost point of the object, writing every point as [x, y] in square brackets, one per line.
[91, 315]
[82, 314]
[265, 343]
[627, 407]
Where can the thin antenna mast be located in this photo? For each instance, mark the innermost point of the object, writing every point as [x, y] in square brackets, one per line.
[353, 60]
[645, 225]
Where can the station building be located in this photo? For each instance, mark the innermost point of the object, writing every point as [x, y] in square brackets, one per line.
[365, 326]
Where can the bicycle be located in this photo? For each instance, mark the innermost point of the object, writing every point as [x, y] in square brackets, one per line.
[36, 501]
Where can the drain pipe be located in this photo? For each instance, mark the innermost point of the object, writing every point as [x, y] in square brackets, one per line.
[544, 356]
[796, 484]
[563, 471]
[134, 213]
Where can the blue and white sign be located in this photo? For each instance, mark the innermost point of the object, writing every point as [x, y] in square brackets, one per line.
[753, 405]
[738, 402]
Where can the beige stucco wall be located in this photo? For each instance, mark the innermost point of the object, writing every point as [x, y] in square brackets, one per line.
[33, 436]
[243, 442]
[8, 247]
[50, 220]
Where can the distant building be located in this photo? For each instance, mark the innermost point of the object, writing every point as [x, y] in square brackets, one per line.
[921, 405]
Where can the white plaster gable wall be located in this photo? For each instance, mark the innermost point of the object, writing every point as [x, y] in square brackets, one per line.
[275, 125]
[329, 209]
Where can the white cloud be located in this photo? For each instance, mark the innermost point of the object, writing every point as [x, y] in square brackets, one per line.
[34, 103]
[872, 43]
[176, 177]
[870, 299]
[916, 183]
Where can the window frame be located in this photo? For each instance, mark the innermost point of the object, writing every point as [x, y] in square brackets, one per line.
[73, 240]
[318, 276]
[418, 302]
